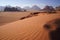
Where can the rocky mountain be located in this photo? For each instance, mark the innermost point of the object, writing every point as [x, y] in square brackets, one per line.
[2, 8]
[35, 7]
[27, 8]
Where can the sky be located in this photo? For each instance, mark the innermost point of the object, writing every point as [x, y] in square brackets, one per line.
[23, 3]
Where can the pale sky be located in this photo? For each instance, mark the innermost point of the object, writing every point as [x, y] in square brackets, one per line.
[22, 3]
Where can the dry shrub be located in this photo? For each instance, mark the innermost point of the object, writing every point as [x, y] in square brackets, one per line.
[22, 18]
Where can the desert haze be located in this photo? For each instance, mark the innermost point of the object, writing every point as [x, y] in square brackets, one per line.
[27, 29]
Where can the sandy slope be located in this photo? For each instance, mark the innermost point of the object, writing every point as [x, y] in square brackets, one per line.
[8, 17]
[27, 29]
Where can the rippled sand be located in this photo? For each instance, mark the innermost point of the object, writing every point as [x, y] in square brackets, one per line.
[27, 29]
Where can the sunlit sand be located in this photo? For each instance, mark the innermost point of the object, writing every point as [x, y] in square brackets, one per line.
[27, 29]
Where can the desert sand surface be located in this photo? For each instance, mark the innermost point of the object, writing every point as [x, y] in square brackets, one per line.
[8, 17]
[27, 29]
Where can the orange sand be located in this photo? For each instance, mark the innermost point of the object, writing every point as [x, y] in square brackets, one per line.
[27, 29]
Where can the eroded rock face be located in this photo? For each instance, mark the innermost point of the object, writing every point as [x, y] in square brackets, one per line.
[54, 28]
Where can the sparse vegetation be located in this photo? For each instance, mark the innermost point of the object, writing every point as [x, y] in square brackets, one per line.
[22, 18]
[35, 13]
[46, 26]
[31, 14]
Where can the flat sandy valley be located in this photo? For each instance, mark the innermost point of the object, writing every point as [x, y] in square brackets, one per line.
[32, 28]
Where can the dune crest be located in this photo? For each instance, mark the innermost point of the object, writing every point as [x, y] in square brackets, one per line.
[27, 29]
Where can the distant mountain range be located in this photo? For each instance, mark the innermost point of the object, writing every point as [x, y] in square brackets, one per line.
[35, 7]
[2, 8]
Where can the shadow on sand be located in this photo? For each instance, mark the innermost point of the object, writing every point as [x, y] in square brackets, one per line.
[54, 34]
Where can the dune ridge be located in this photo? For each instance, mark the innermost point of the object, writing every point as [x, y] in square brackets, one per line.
[27, 29]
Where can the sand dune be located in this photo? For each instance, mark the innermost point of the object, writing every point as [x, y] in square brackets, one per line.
[8, 17]
[27, 29]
